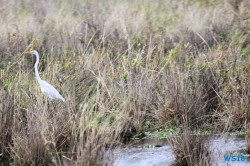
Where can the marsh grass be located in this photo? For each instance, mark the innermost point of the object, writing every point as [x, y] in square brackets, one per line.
[119, 65]
[191, 149]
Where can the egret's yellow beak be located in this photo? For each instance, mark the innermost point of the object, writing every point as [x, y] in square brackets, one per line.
[28, 52]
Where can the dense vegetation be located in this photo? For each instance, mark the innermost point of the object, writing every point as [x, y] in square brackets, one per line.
[125, 68]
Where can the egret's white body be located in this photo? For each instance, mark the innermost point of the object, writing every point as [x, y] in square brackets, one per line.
[46, 88]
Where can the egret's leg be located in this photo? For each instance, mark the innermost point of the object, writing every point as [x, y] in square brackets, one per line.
[48, 104]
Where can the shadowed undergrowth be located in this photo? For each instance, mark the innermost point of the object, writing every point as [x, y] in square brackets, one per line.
[124, 68]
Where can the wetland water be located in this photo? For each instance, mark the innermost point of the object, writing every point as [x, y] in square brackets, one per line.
[144, 153]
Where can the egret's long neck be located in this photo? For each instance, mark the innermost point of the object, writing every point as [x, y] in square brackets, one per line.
[36, 67]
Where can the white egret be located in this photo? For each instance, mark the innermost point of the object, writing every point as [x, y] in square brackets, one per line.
[46, 88]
